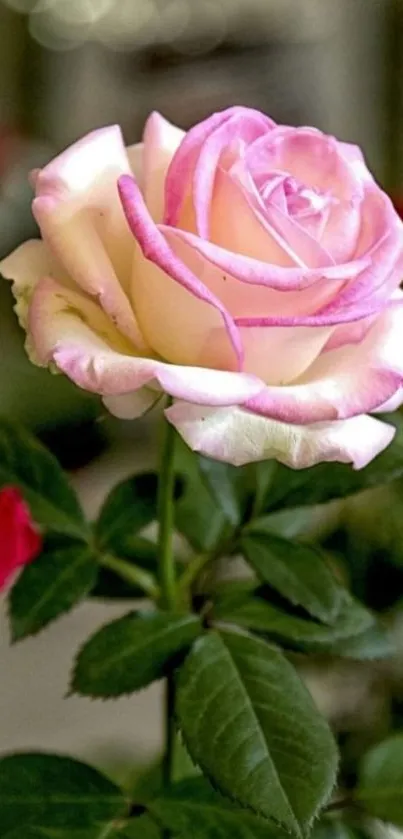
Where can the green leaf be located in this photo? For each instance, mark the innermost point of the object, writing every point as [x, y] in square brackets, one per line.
[132, 652]
[294, 488]
[55, 792]
[251, 725]
[129, 507]
[258, 615]
[136, 550]
[290, 524]
[380, 788]
[264, 474]
[198, 517]
[372, 644]
[193, 808]
[221, 480]
[25, 463]
[298, 572]
[58, 579]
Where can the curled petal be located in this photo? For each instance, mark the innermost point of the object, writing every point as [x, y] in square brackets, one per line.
[156, 249]
[391, 404]
[255, 271]
[380, 240]
[356, 159]
[198, 156]
[179, 326]
[349, 380]
[237, 436]
[237, 227]
[130, 406]
[25, 267]
[80, 216]
[349, 333]
[74, 333]
[310, 156]
[161, 140]
[240, 298]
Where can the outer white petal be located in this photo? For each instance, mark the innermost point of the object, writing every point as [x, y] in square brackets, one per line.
[391, 404]
[129, 406]
[68, 329]
[237, 436]
[28, 264]
[80, 216]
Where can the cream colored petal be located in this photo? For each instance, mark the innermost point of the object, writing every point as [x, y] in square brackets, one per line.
[135, 154]
[73, 332]
[161, 140]
[81, 219]
[179, 326]
[132, 405]
[24, 268]
[236, 436]
[278, 354]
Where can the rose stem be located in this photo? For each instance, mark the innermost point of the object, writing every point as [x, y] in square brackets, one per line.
[167, 578]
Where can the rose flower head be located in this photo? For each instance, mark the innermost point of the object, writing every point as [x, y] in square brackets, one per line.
[249, 270]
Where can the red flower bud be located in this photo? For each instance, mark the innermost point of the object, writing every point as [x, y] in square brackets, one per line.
[20, 540]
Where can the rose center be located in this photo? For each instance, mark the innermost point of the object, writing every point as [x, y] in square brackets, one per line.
[294, 197]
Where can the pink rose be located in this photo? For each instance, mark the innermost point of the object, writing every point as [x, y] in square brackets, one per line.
[20, 540]
[249, 270]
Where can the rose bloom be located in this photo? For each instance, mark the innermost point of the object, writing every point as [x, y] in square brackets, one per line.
[20, 541]
[247, 269]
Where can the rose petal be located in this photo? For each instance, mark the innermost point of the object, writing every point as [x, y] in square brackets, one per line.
[20, 541]
[303, 248]
[356, 159]
[353, 379]
[349, 333]
[161, 140]
[81, 219]
[391, 404]
[179, 326]
[340, 233]
[237, 227]
[381, 239]
[279, 355]
[135, 155]
[310, 156]
[194, 312]
[238, 297]
[25, 267]
[198, 156]
[75, 334]
[237, 436]
[130, 406]
[253, 271]
[315, 160]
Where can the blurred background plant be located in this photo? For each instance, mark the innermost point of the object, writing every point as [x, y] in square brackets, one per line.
[67, 66]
